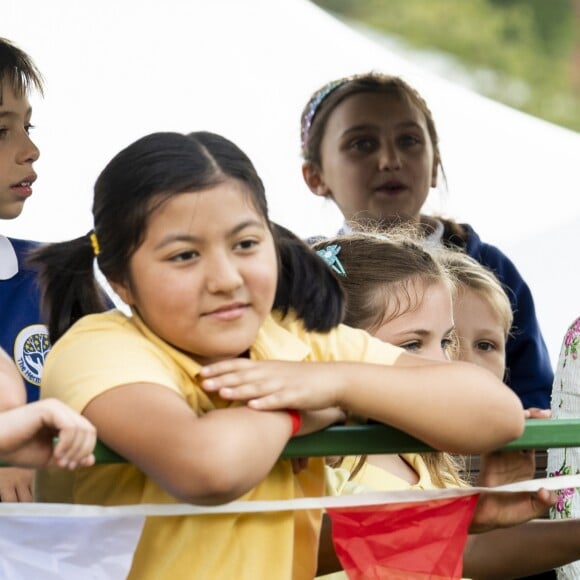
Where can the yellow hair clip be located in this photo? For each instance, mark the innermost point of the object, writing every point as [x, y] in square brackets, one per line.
[95, 244]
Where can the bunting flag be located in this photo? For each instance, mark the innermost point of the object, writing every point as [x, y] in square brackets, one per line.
[403, 541]
[411, 535]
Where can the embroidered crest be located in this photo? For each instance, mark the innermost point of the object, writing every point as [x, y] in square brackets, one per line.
[30, 349]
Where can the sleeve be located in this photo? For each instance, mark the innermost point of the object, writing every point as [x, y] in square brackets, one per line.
[86, 362]
[529, 370]
[344, 343]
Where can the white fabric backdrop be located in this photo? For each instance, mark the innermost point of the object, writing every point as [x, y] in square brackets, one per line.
[118, 70]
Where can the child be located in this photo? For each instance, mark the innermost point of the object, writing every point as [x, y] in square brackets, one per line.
[370, 144]
[482, 313]
[27, 432]
[22, 334]
[411, 303]
[21, 330]
[181, 232]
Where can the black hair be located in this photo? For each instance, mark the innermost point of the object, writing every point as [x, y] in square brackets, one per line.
[306, 284]
[134, 184]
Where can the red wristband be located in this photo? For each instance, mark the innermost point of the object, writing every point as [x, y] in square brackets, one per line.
[296, 419]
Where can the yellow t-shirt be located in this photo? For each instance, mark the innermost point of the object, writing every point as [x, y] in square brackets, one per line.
[373, 478]
[103, 351]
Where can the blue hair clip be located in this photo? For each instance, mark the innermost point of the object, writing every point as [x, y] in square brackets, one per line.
[330, 256]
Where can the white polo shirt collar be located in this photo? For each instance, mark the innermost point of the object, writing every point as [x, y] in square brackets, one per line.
[8, 259]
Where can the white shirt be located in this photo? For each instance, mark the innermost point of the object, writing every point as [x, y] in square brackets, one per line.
[8, 259]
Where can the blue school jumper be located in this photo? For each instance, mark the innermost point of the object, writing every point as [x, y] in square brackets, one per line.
[22, 334]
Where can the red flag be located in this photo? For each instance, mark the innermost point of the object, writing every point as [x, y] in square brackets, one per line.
[403, 541]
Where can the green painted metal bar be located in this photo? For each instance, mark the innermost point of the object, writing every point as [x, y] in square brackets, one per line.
[371, 439]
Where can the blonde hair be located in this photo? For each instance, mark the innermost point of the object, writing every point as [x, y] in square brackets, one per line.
[385, 277]
[468, 273]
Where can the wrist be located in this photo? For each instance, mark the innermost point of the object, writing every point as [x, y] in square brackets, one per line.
[296, 420]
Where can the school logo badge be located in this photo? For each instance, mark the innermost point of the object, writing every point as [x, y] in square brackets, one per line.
[30, 349]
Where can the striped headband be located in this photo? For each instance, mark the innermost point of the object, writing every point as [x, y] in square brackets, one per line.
[315, 103]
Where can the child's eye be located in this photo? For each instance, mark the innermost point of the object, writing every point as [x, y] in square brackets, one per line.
[485, 345]
[246, 244]
[363, 144]
[3, 132]
[412, 345]
[409, 140]
[29, 128]
[184, 256]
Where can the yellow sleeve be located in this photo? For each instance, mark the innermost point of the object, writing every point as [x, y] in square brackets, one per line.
[343, 343]
[101, 352]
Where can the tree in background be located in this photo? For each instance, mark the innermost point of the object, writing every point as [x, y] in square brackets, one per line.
[524, 53]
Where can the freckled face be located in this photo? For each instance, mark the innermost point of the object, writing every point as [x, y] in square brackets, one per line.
[480, 332]
[377, 158]
[425, 330]
[204, 278]
[17, 153]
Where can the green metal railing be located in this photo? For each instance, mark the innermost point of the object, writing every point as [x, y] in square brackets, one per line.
[372, 439]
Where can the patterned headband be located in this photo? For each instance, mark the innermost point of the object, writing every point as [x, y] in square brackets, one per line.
[315, 103]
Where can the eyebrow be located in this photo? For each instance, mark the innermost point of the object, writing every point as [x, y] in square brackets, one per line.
[423, 332]
[369, 126]
[196, 239]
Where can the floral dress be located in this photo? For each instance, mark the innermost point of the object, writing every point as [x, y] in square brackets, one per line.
[566, 405]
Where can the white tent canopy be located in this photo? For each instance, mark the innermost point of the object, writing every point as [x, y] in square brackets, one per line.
[118, 70]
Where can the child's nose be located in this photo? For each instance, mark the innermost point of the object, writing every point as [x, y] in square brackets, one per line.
[389, 157]
[223, 275]
[28, 151]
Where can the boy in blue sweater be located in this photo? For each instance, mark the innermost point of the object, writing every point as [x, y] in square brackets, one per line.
[22, 334]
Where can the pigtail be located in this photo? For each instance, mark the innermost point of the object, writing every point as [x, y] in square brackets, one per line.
[68, 285]
[306, 284]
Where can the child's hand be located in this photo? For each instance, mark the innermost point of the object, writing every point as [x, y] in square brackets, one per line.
[535, 413]
[273, 385]
[504, 467]
[27, 436]
[503, 510]
[16, 484]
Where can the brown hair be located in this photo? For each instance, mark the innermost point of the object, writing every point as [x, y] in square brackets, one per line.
[468, 273]
[384, 275]
[18, 70]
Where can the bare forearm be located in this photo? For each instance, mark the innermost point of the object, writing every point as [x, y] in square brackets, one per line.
[522, 550]
[219, 457]
[12, 391]
[462, 408]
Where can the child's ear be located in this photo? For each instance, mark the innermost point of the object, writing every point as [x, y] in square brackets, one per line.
[123, 290]
[313, 179]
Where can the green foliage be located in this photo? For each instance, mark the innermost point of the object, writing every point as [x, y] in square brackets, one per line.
[524, 47]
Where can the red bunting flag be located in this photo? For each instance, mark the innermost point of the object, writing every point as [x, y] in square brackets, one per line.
[403, 541]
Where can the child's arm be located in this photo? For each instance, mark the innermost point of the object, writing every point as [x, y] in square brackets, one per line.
[454, 406]
[12, 391]
[210, 459]
[45, 433]
[523, 550]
